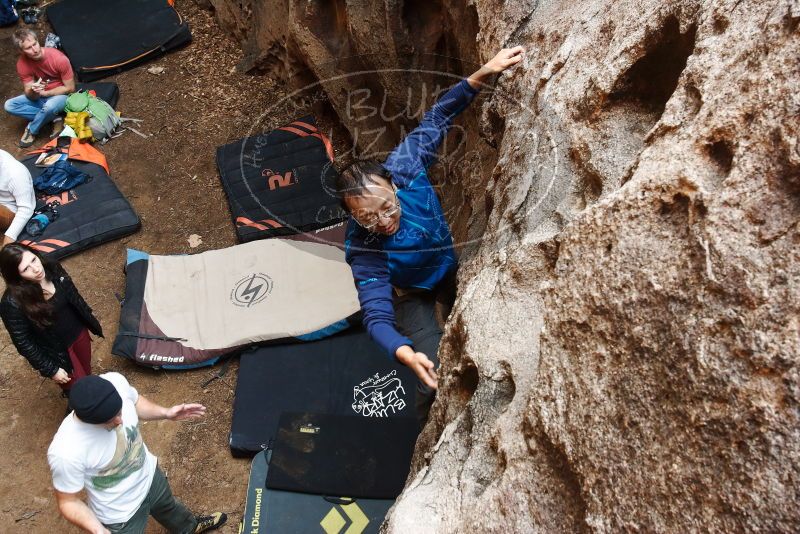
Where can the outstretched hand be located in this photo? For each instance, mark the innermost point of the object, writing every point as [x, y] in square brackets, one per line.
[504, 59]
[420, 364]
[181, 412]
[507, 57]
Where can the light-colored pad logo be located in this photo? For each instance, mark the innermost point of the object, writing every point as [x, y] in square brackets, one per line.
[251, 289]
[379, 396]
[335, 522]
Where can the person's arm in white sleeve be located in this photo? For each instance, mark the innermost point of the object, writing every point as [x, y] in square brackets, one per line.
[25, 198]
[78, 513]
[67, 484]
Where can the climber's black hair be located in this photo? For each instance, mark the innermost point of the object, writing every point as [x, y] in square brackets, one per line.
[354, 179]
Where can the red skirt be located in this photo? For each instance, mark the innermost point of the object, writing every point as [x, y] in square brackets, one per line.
[80, 354]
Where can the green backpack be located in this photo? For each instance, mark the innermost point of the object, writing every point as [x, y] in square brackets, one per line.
[103, 120]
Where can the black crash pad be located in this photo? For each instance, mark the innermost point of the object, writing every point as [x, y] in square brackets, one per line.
[342, 455]
[280, 183]
[269, 511]
[90, 214]
[106, 37]
[346, 374]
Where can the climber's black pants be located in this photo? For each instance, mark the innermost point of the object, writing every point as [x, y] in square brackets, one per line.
[416, 316]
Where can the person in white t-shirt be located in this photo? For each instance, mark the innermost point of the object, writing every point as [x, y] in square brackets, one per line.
[17, 198]
[99, 448]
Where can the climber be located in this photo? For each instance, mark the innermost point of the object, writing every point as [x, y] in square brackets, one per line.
[398, 242]
[47, 79]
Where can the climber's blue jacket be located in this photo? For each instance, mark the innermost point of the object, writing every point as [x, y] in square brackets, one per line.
[420, 254]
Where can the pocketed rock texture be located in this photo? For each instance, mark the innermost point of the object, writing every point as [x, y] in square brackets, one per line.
[623, 353]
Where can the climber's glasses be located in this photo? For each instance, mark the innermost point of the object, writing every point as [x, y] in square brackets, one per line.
[368, 220]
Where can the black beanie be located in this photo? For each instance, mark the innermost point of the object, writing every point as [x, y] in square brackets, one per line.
[95, 400]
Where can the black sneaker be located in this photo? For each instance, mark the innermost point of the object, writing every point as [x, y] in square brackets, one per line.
[210, 522]
[30, 15]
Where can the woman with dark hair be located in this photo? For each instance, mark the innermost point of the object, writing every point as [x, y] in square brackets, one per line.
[48, 320]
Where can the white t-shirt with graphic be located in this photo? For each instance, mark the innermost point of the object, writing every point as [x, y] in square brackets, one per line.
[114, 466]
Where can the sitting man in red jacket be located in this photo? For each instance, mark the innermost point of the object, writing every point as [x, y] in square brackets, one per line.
[47, 79]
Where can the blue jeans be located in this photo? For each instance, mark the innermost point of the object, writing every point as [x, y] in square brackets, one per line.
[38, 112]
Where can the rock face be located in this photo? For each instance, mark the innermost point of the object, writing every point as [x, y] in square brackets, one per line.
[623, 354]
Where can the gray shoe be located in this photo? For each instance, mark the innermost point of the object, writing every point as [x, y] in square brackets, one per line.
[58, 127]
[27, 139]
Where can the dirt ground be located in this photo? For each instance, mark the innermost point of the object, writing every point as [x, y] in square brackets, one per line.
[197, 104]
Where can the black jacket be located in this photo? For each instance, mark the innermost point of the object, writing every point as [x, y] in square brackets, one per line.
[43, 349]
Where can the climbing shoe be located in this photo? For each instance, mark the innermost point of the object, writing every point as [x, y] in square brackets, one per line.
[58, 127]
[27, 139]
[210, 522]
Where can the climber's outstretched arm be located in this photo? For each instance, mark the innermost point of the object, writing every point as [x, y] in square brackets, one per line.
[418, 150]
[504, 59]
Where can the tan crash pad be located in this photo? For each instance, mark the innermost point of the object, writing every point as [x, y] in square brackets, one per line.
[263, 290]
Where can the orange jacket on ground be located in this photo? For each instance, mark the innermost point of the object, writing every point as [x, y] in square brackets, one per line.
[77, 151]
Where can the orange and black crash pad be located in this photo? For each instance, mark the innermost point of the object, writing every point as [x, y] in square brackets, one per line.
[280, 183]
[104, 38]
[90, 214]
